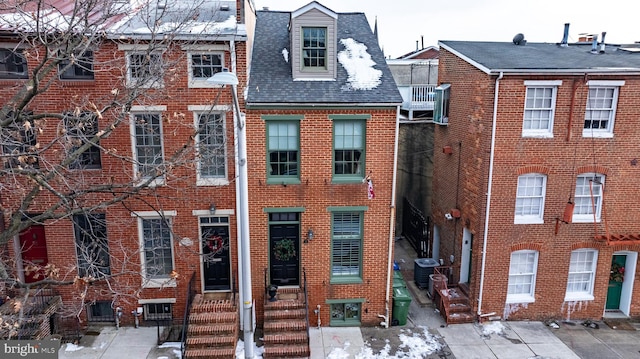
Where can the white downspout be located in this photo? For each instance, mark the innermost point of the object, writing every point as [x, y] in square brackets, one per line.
[392, 219]
[486, 216]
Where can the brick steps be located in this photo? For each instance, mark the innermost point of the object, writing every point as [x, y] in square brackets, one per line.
[213, 329]
[288, 351]
[211, 353]
[285, 326]
[284, 314]
[454, 305]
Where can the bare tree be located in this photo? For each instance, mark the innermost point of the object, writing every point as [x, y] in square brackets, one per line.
[51, 137]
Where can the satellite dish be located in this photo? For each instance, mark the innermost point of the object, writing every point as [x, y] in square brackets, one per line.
[519, 39]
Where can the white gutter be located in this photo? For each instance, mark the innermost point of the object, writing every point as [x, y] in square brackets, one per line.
[486, 216]
[392, 219]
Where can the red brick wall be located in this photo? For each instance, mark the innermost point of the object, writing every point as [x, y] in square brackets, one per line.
[562, 158]
[316, 193]
[180, 194]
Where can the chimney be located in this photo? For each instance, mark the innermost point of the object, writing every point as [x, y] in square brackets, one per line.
[417, 44]
[594, 45]
[565, 37]
[602, 43]
[422, 37]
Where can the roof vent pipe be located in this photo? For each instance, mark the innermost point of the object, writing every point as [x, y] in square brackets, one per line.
[594, 44]
[602, 43]
[565, 37]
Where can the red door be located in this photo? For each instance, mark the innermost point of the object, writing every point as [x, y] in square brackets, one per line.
[34, 252]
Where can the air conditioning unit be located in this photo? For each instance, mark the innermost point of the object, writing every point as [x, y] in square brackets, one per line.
[441, 105]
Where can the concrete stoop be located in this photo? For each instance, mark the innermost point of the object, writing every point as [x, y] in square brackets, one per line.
[285, 326]
[213, 328]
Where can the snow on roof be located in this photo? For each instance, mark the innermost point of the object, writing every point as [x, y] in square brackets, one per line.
[59, 15]
[191, 27]
[359, 65]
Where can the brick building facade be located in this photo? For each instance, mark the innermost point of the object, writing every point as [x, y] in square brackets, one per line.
[534, 176]
[313, 214]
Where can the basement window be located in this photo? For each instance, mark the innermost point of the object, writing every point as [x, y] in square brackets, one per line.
[345, 313]
[158, 311]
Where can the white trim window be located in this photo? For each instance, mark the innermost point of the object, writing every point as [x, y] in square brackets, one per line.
[147, 145]
[144, 69]
[211, 149]
[522, 276]
[156, 248]
[588, 196]
[530, 198]
[600, 112]
[582, 270]
[539, 108]
[202, 65]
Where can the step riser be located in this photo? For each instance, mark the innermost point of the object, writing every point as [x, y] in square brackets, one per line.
[280, 315]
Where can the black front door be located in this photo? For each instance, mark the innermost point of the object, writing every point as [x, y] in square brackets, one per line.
[215, 257]
[284, 255]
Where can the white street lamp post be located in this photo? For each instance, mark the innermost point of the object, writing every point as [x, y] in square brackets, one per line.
[242, 204]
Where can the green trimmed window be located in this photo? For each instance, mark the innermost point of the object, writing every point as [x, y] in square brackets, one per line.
[345, 314]
[314, 47]
[346, 247]
[348, 149]
[283, 149]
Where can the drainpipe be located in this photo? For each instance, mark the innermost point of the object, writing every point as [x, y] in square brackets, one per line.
[392, 221]
[486, 216]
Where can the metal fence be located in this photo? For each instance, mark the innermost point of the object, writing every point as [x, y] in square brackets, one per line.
[417, 229]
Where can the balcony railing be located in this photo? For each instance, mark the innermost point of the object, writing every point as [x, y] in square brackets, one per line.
[418, 97]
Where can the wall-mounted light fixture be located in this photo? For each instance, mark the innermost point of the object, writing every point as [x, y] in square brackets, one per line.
[309, 235]
[212, 208]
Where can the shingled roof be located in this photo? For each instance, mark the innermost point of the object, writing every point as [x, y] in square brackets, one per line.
[271, 81]
[495, 57]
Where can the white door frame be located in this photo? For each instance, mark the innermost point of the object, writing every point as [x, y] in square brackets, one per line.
[629, 278]
[465, 255]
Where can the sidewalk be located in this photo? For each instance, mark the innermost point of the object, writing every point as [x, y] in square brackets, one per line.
[126, 342]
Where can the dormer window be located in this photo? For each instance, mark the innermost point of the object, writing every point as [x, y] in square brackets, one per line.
[314, 48]
[314, 43]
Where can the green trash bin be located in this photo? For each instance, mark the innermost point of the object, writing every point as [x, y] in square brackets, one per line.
[398, 280]
[401, 302]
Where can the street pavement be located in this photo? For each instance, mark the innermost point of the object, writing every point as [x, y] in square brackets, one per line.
[514, 340]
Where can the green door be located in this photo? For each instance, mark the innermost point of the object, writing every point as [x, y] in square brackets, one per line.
[616, 278]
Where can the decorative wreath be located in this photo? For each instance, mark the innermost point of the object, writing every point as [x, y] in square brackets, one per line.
[215, 244]
[284, 250]
[617, 273]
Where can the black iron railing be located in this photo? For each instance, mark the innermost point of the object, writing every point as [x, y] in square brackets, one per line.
[191, 292]
[417, 229]
[306, 300]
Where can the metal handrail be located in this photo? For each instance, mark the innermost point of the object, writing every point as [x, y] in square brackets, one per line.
[306, 300]
[187, 310]
[266, 286]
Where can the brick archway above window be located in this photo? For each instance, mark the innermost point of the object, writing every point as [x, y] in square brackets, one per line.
[533, 169]
[587, 245]
[593, 169]
[526, 246]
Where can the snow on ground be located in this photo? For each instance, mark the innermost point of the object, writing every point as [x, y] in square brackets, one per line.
[70, 347]
[493, 328]
[257, 351]
[177, 351]
[414, 345]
